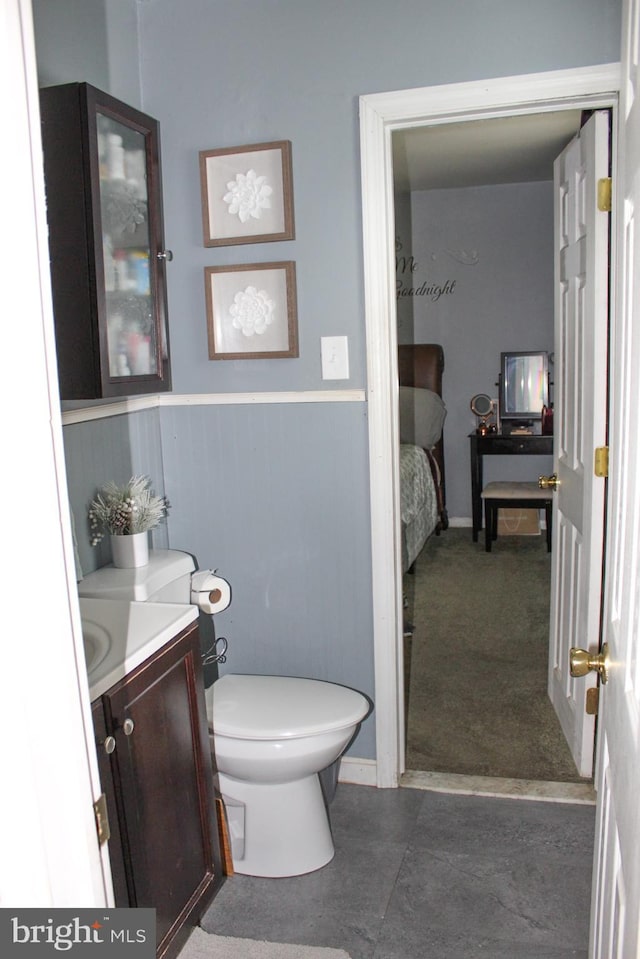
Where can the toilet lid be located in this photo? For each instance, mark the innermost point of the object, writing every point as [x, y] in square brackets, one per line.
[282, 707]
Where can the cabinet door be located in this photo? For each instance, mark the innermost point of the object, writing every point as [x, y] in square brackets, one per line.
[127, 236]
[165, 786]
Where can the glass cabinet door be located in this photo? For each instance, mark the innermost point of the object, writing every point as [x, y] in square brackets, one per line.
[132, 340]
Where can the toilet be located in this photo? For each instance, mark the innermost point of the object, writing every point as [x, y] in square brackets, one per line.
[272, 737]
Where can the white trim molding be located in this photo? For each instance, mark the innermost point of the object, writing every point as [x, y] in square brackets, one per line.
[136, 404]
[380, 115]
[101, 411]
[258, 399]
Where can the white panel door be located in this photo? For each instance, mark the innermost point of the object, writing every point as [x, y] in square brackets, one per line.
[50, 853]
[615, 932]
[580, 375]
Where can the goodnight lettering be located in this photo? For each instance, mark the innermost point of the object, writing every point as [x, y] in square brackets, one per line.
[431, 290]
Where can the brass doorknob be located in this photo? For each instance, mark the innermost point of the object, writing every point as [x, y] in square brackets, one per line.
[581, 662]
[549, 482]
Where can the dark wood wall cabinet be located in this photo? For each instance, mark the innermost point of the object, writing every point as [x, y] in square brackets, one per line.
[156, 772]
[106, 241]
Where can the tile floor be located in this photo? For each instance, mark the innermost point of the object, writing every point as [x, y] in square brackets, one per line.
[427, 875]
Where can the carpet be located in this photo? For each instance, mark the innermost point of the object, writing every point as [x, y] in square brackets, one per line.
[202, 945]
[478, 702]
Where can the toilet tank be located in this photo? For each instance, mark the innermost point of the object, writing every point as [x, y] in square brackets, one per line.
[165, 579]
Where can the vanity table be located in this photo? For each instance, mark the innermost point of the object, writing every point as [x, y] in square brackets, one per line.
[499, 444]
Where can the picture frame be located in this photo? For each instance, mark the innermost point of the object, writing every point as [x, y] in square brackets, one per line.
[247, 194]
[252, 311]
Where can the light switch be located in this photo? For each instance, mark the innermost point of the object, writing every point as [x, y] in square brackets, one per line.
[334, 351]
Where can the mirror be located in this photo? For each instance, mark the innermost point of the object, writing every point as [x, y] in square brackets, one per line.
[482, 405]
[524, 386]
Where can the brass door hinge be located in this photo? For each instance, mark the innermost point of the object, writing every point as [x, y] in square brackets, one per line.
[604, 194]
[592, 700]
[102, 819]
[601, 461]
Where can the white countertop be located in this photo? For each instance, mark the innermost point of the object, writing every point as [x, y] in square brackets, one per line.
[119, 635]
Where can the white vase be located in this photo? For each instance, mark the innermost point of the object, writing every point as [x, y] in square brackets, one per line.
[130, 551]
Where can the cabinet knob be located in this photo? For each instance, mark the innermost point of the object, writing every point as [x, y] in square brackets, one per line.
[109, 745]
[165, 255]
[549, 482]
[128, 726]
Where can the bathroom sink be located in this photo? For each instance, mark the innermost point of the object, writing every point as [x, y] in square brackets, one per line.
[119, 635]
[96, 643]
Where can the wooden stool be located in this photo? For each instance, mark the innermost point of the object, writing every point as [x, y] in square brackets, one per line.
[505, 495]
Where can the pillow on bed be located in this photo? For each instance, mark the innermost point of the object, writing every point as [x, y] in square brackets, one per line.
[422, 415]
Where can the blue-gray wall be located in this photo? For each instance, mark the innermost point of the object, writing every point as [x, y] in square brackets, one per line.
[89, 40]
[113, 448]
[294, 547]
[218, 73]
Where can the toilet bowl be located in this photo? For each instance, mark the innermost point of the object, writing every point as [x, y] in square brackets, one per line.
[272, 736]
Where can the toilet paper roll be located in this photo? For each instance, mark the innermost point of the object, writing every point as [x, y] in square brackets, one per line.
[211, 593]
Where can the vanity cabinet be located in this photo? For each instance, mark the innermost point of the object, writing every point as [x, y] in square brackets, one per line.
[106, 244]
[156, 773]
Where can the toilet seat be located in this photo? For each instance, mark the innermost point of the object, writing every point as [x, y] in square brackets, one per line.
[282, 707]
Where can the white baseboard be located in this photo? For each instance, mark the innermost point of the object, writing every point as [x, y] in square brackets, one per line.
[360, 772]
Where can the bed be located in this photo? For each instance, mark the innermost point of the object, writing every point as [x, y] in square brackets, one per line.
[423, 506]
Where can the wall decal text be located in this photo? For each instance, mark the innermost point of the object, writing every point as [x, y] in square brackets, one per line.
[407, 265]
[432, 290]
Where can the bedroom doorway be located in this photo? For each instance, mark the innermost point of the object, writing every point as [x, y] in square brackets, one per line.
[484, 714]
[588, 88]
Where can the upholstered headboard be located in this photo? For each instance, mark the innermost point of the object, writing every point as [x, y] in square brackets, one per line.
[422, 365]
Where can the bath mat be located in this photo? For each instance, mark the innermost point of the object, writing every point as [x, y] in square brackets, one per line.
[202, 945]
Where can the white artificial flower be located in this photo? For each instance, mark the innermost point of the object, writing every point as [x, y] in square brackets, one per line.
[248, 196]
[252, 311]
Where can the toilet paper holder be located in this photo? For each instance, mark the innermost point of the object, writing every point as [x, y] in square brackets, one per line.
[210, 592]
[212, 655]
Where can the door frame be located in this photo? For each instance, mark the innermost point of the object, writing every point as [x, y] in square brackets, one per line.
[380, 115]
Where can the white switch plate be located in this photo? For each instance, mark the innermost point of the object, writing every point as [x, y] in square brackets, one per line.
[334, 351]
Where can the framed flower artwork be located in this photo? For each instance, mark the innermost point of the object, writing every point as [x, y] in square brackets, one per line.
[252, 311]
[247, 194]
